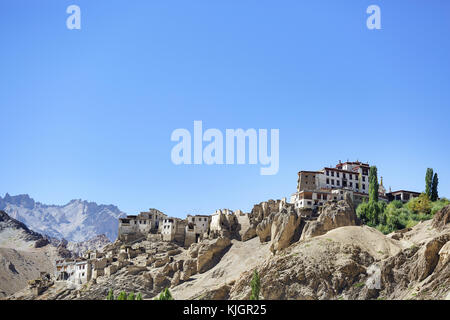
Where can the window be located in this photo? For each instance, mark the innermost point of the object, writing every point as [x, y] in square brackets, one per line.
[338, 182]
[328, 181]
[351, 184]
[343, 175]
[364, 179]
[356, 177]
[332, 173]
[350, 177]
[309, 203]
[364, 186]
[337, 174]
[357, 186]
[328, 173]
[332, 181]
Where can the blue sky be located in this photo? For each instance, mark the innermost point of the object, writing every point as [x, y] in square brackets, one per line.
[89, 113]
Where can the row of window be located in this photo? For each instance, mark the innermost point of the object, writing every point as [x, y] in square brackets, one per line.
[338, 183]
[344, 175]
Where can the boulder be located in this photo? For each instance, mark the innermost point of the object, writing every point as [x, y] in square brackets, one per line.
[444, 255]
[135, 270]
[189, 269]
[331, 216]
[168, 270]
[160, 281]
[246, 230]
[210, 252]
[264, 228]
[148, 280]
[286, 229]
[176, 279]
[428, 257]
[110, 270]
[441, 218]
[161, 261]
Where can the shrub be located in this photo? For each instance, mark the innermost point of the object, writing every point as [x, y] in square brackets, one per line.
[420, 205]
[139, 296]
[165, 295]
[256, 286]
[438, 205]
[110, 295]
[131, 296]
[371, 213]
[122, 296]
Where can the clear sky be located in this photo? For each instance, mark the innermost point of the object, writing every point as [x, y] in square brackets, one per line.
[89, 113]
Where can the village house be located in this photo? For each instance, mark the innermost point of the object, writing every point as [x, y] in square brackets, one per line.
[196, 227]
[77, 271]
[173, 229]
[142, 224]
[402, 195]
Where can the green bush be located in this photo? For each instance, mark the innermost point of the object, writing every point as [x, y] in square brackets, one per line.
[122, 296]
[438, 205]
[131, 296]
[139, 296]
[371, 213]
[165, 295]
[420, 205]
[110, 295]
[396, 215]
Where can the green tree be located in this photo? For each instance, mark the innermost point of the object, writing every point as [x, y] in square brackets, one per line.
[131, 296]
[165, 295]
[110, 295]
[139, 296]
[428, 182]
[371, 213]
[256, 286]
[420, 205]
[373, 184]
[122, 296]
[434, 188]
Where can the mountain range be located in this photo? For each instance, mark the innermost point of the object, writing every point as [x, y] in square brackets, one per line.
[76, 221]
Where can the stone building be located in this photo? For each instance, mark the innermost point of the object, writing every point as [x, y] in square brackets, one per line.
[173, 229]
[402, 195]
[142, 224]
[77, 271]
[314, 188]
[196, 227]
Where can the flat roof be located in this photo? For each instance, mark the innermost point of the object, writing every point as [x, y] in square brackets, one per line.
[401, 191]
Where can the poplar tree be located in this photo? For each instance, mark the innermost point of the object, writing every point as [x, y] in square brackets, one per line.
[434, 188]
[428, 182]
[373, 184]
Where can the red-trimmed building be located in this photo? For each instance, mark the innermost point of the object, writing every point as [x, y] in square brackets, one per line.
[314, 188]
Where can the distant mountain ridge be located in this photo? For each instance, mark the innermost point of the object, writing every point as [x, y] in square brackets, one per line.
[78, 220]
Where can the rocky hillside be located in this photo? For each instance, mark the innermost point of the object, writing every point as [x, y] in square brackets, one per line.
[96, 243]
[24, 254]
[299, 254]
[75, 221]
[15, 234]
